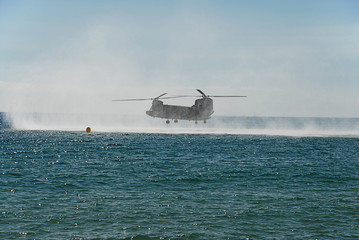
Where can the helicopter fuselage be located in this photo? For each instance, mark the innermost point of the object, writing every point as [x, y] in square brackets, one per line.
[201, 110]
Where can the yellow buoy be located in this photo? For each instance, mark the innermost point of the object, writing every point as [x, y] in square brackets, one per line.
[88, 129]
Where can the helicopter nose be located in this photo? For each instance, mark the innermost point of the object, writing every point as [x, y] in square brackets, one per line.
[149, 113]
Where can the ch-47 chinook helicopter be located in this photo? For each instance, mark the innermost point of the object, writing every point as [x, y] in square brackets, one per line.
[200, 111]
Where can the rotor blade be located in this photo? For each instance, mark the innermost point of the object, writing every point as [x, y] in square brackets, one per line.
[139, 99]
[226, 96]
[203, 95]
[180, 96]
[132, 99]
[194, 96]
[160, 96]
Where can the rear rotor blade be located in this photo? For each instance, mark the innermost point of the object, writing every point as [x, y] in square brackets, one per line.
[227, 96]
[207, 96]
[180, 96]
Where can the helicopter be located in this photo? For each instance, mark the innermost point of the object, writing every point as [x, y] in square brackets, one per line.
[200, 111]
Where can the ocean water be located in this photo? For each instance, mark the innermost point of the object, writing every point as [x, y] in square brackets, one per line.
[181, 184]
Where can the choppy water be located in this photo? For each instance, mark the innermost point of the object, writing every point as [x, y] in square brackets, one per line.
[74, 185]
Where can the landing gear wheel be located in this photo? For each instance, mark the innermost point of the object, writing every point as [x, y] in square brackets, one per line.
[204, 121]
[168, 121]
[176, 121]
[195, 122]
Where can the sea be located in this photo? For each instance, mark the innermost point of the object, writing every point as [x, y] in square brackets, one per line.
[231, 178]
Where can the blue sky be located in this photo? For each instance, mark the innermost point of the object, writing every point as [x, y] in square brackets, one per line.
[291, 58]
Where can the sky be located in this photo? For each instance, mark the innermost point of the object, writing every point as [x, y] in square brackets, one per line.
[290, 58]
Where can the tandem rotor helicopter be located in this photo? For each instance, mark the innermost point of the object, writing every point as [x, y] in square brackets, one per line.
[200, 111]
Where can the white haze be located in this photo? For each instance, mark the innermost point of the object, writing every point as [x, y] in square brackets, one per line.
[71, 86]
[299, 127]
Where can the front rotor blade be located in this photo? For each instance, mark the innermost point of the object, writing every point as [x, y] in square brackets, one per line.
[132, 99]
[203, 95]
[139, 99]
[160, 96]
